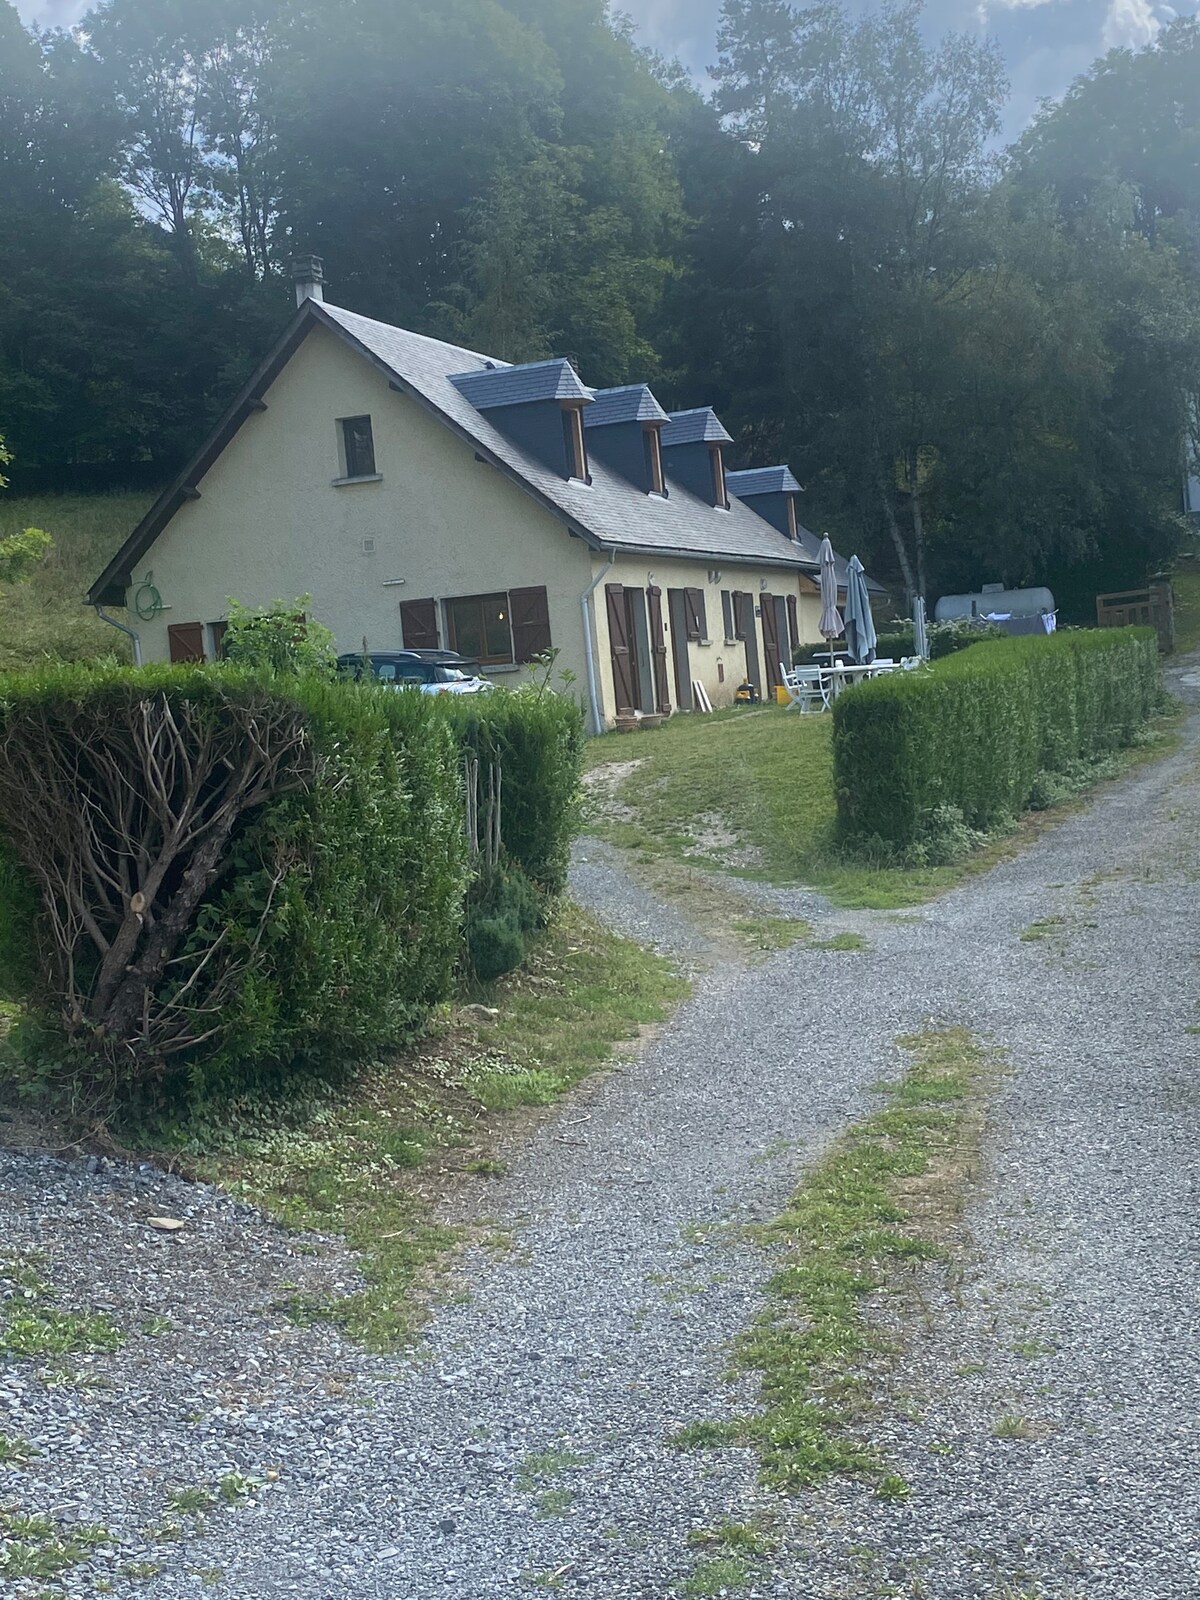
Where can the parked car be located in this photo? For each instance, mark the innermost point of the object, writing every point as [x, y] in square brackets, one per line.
[430, 671]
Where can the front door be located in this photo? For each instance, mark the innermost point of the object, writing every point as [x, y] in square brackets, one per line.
[766, 604]
[633, 599]
[622, 656]
[677, 615]
[743, 612]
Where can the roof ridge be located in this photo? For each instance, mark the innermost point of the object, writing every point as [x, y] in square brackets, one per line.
[425, 338]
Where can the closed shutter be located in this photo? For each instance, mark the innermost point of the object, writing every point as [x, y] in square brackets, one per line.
[186, 641]
[738, 603]
[766, 605]
[793, 623]
[658, 649]
[727, 614]
[219, 630]
[530, 615]
[418, 624]
[696, 621]
[618, 641]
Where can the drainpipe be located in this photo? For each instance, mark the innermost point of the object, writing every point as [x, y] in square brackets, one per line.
[589, 652]
[130, 633]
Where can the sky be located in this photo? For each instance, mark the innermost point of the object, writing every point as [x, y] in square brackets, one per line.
[1045, 42]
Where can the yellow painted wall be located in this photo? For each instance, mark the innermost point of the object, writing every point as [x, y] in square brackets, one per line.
[270, 524]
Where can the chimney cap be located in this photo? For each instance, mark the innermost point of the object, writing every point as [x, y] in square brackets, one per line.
[308, 274]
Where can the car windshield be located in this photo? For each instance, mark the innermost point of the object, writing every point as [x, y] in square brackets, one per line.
[452, 675]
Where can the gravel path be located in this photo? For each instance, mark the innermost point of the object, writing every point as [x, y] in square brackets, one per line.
[526, 1440]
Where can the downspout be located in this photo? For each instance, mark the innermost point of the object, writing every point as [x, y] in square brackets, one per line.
[589, 653]
[130, 633]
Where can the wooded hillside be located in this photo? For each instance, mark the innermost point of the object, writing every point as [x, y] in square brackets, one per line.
[980, 364]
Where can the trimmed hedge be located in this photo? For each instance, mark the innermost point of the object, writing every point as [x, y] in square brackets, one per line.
[975, 731]
[330, 920]
[537, 737]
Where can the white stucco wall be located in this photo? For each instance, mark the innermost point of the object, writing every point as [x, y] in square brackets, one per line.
[269, 523]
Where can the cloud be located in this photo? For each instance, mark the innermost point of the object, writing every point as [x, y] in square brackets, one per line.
[1131, 24]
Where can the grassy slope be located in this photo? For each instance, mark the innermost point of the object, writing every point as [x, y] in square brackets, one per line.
[45, 616]
[768, 776]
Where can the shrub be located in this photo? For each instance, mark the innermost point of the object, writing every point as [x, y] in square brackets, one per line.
[281, 637]
[979, 731]
[898, 641]
[505, 909]
[238, 874]
[537, 739]
[947, 638]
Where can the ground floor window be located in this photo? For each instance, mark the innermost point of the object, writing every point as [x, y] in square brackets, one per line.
[479, 627]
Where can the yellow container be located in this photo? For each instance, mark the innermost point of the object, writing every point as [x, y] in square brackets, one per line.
[781, 694]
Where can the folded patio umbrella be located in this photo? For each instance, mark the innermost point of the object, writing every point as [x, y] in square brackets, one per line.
[860, 625]
[830, 625]
[920, 636]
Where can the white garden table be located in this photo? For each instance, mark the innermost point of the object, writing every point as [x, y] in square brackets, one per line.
[841, 677]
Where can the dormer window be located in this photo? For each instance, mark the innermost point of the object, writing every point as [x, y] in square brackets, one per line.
[793, 527]
[654, 462]
[720, 498]
[573, 436]
[358, 447]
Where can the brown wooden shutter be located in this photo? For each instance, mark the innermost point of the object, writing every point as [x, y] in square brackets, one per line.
[186, 640]
[696, 621]
[219, 630]
[418, 624]
[766, 604]
[618, 640]
[658, 649]
[529, 612]
[793, 623]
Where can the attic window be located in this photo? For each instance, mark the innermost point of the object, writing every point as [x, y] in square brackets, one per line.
[654, 463]
[358, 447]
[793, 530]
[720, 498]
[573, 436]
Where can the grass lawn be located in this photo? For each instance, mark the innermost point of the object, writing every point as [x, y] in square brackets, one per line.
[755, 787]
[45, 616]
[371, 1161]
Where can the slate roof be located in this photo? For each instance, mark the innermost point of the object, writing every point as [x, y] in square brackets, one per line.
[762, 480]
[608, 513]
[691, 427]
[502, 385]
[631, 403]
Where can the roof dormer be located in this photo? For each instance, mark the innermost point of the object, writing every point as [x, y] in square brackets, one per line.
[623, 428]
[539, 405]
[771, 491]
[693, 443]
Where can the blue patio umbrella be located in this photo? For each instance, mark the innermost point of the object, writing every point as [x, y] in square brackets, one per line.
[830, 625]
[860, 625]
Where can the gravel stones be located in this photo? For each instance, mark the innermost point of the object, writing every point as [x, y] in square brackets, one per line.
[524, 1443]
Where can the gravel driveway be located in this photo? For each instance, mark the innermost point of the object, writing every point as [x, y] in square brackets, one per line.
[523, 1446]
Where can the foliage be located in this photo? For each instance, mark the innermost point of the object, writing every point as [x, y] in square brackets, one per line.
[976, 731]
[21, 551]
[536, 739]
[281, 637]
[504, 910]
[946, 638]
[268, 873]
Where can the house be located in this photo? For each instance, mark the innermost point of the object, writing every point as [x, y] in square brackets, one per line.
[428, 496]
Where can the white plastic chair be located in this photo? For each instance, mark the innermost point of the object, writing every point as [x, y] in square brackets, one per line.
[806, 688]
[911, 663]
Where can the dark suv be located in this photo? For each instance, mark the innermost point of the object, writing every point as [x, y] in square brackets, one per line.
[430, 671]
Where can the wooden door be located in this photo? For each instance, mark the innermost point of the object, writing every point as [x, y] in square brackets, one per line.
[622, 656]
[677, 613]
[766, 604]
[743, 611]
[633, 599]
[658, 650]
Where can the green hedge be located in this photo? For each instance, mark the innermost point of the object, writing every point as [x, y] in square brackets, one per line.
[537, 736]
[334, 919]
[975, 731]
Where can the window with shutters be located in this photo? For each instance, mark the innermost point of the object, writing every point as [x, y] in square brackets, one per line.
[418, 624]
[529, 612]
[480, 628]
[740, 609]
[357, 447]
[727, 616]
[694, 614]
[217, 631]
[185, 641]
